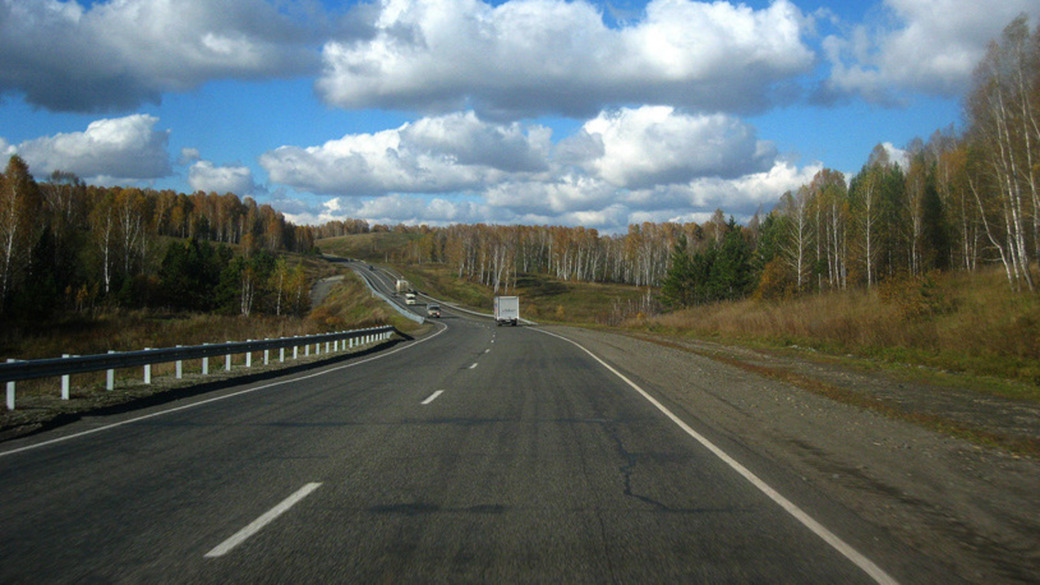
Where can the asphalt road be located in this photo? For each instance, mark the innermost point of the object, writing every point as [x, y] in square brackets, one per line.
[475, 454]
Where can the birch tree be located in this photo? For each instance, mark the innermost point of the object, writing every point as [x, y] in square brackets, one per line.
[19, 204]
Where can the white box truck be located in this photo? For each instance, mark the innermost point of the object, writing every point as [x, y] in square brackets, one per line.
[403, 286]
[507, 311]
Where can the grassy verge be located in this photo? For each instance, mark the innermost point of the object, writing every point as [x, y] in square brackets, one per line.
[969, 324]
[349, 305]
[542, 298]
[370, 247]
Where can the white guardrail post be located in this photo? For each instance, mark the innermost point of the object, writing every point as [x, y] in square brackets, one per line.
[65, 382]
[10, 391]
[110, 375]
[147, 370]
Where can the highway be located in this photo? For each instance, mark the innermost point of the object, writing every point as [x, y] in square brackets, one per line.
[472, 454]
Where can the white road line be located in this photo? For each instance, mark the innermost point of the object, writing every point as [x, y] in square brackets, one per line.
[857, 558]
[473, 366]
[255, 526]
[219, 398]
[432, 397]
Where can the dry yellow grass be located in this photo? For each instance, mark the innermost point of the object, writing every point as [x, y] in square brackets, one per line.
[962, 322]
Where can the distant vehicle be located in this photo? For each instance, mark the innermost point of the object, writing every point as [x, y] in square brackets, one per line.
[409, 298]
[402, 286]
[433, 311]
[370, 267]
[507, 311]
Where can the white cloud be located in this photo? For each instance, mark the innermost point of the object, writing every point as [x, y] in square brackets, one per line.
[205, 176]
[108, 150]
[646, 146]
[528, 57]
[927, 46]
[649, 160]
[117, 54]
[188, 156]
[457, 152]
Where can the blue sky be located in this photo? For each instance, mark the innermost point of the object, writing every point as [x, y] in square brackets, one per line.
[442, 111]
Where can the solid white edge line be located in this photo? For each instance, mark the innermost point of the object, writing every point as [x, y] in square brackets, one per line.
[256, 525]
[857, 558]
[432, 397]
[473, 366]
[219, 398]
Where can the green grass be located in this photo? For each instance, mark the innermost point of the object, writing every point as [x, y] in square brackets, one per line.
[542, 298]
[371, 247]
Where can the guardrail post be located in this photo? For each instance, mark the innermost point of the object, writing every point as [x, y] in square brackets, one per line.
[147, 370]
[307, 350]
[65, 382]
[327, 347]
[227, 362]
[180, 368]
[205, 364]
[249, 356]
[295, 352]
[110, 376]
[267, 354]
[281, 354]
[10, 391]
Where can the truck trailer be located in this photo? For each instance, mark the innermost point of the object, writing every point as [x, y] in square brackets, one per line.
[507, 311]
[403, 286]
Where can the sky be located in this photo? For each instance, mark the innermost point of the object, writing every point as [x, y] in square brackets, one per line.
[599, 114]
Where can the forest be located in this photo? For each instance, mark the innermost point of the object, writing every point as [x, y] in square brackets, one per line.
[961, 200]
[67, 247]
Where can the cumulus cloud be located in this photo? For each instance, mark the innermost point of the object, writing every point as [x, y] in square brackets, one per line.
[188, 156]
[457, 152]
[636, 148]
[115, 55]
[624, 162]
[205, 176]
[128, 148]
[531, 57]
[927, 46]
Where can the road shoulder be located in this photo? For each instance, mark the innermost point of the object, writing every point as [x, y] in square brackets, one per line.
[970, 508]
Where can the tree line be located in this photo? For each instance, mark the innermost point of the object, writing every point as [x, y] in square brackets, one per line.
[68, 246]
[959, 201]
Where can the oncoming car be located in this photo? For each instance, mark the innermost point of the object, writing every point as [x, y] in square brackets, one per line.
[433, 311]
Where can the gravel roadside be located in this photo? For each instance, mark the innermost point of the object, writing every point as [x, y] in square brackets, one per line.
[973, 510]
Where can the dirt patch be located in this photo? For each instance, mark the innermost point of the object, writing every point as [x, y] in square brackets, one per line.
[910, 458]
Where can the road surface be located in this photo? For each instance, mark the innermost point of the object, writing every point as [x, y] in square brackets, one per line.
[473, 454]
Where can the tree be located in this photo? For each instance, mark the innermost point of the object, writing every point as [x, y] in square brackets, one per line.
[1005, 135]
[799, 240]
[19, 205]
[678, 286]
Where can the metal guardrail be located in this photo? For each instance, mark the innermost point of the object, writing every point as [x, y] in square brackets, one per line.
[13, 371]
[417, 318]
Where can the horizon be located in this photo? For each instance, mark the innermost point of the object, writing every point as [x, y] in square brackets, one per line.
[458, 112]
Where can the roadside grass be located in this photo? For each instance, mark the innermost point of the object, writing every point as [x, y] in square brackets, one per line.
[969, 324]
[349, 305]
[542, 298]
[963, 323]
[370, 247]
[441, 282]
